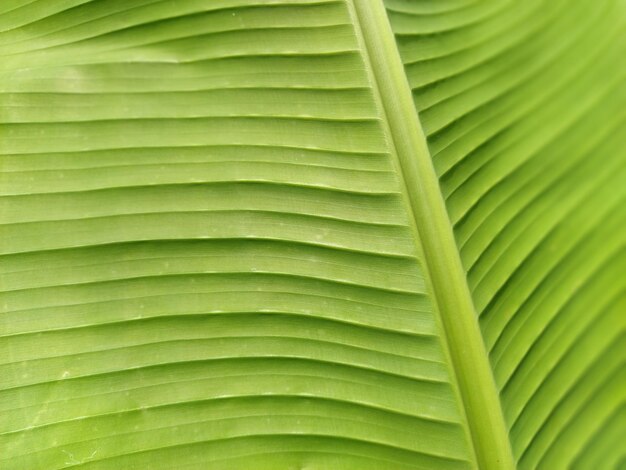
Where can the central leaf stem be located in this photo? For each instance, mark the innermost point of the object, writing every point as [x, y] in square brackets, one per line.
[435, 239]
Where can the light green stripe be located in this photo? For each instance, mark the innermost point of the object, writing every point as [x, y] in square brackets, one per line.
[449, 284]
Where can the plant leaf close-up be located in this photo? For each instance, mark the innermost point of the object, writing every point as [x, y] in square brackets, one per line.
[312, 234]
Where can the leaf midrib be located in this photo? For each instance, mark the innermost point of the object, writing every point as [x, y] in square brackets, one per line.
[434, 237]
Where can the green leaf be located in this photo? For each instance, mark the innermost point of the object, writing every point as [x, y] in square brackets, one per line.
[312, 234]
[522, 104]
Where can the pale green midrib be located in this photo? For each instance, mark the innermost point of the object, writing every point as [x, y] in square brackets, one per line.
[441, 257]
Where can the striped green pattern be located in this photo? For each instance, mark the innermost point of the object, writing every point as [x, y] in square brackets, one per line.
[207, 258]
[523, 104]
[230, 240]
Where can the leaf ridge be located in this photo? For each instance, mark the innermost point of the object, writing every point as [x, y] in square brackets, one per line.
[435, 239]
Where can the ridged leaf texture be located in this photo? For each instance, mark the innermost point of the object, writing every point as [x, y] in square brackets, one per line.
[312, 234]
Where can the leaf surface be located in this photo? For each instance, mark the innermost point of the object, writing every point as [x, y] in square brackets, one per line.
[258, 234]
[522, 105]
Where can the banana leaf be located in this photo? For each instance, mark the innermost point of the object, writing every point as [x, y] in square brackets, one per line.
[312, 234]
